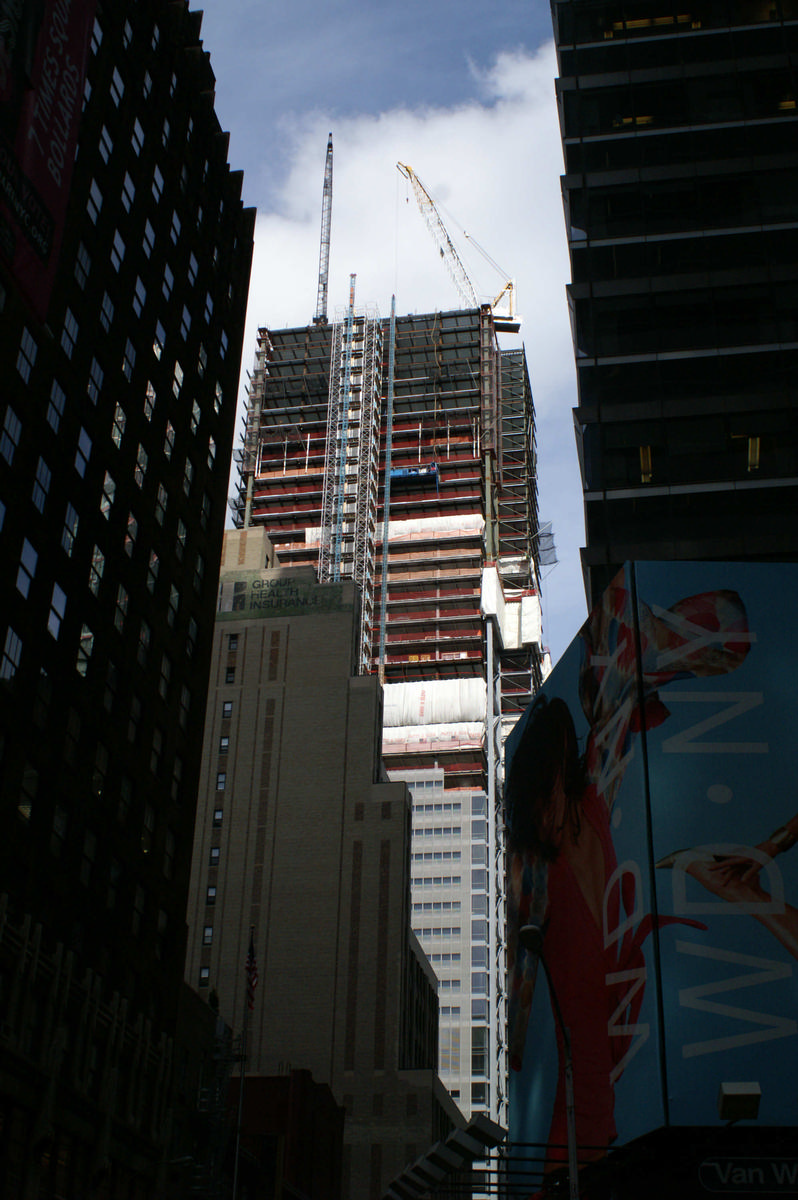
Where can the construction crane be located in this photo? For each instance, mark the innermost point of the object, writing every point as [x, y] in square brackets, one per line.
[324, 251]
[505, 321]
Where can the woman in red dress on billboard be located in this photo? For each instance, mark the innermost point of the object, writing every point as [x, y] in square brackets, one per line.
[564, 874]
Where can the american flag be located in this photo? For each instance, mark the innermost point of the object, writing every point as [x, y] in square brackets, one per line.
[252, 974]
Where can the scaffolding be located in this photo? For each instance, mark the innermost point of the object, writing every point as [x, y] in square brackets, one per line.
[351, 462]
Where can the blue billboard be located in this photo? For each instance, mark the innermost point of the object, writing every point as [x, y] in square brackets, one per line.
[652, 810]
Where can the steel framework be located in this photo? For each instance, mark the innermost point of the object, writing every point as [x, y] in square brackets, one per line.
[351, 462]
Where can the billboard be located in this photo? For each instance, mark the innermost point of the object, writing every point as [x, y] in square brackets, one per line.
[652, 812]
[44, 46]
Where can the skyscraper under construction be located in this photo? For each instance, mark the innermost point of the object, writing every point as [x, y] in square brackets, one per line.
[401, 454]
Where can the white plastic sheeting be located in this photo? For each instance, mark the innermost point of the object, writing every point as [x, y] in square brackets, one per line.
[434, 702]
[471, 523]
[519, 618]
[465, 733]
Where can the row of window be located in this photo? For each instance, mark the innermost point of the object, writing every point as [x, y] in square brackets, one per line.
[436, 856]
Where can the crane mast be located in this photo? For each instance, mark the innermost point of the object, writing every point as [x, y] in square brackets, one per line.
[324, 251]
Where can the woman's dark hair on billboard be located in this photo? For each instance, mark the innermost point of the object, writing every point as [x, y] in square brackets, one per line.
[543, 793]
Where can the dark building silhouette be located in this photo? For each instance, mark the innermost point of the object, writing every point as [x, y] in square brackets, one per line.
[123, 283]
[679, 133]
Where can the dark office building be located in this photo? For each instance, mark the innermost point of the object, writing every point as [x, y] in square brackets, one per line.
[680, 135]
[124, 265]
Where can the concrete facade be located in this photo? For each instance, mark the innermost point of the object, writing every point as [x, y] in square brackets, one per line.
[301, 837]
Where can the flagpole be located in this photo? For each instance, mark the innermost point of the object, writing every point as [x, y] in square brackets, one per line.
[248, 999]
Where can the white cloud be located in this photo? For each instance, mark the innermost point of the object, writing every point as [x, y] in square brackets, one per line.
[495, 165]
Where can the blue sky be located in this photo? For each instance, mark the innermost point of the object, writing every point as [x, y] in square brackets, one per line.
[464, 92]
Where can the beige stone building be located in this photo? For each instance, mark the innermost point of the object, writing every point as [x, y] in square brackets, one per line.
[301, 837]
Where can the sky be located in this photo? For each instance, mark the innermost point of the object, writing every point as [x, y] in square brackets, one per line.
[464, 93]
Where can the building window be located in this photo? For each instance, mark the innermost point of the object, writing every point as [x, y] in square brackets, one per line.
[27, 354]
[191, 637]
[121, 608]
[230, 675]
[174, 605]
[160, 504]
[59, 831]
[205, 511]
[199, 573]
[158, 340]
[180, 540]
[95, 202]
[117, 87]
[214, 859]
[69, 334]
[157, 184]
[218, 815]
[12, 651]
[169, 855]
[177, 779]
[96, 36]
[9, 439]
[165, 133]
[41, 485]
[157, 748]
[27, 568]
[137, 137]
[174, 232]
[139, 297]
[188, 476]
[107, 498]
[166, 674]
[106, 144]
[96, 568]
[85, 647]
[148, 241]
[55, 408]
[192, 268]
[204, 976]
[168, 281]
[129, 360]
[152, 572]
[149, 400]
[196, 413]
[82, 265]
[69, 532]
[224, 744]
[141, 466]
[207, 935]
[130, 534]
[128, 191]
[218, 399]
[95, 381]
[144, 644]
[185, 323]
[133, 720]
[118, 427]
[211, 453]
[83, 453]
[210, 894]
[221, 780]
[107, 313]
[147, 85]
[208, 307]
[177, 381]
[227, 709]
[202, 361]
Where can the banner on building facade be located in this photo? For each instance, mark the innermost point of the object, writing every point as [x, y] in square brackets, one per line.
[652, 822]
[44, 48]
